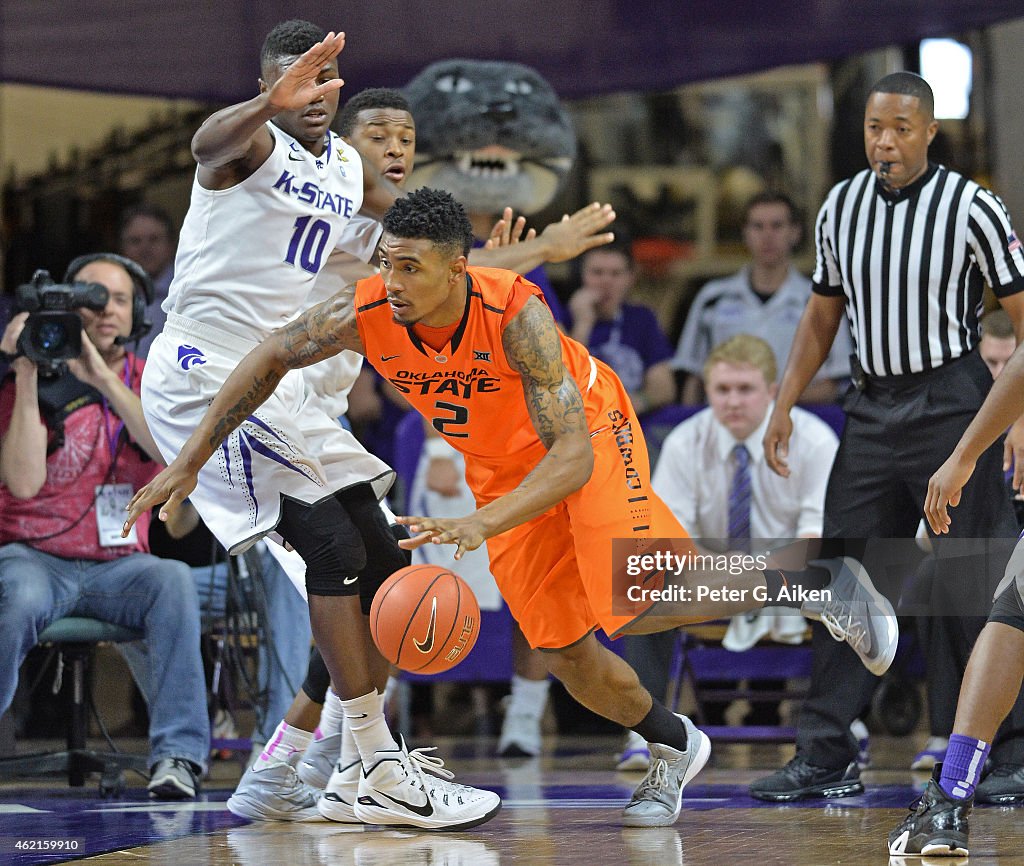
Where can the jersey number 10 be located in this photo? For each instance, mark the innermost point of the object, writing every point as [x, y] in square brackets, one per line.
[312, 238]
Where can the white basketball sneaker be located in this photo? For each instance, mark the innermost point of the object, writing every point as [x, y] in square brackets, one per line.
[402, 789]
[339, 798]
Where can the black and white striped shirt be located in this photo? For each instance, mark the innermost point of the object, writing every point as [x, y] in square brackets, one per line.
[913, 265]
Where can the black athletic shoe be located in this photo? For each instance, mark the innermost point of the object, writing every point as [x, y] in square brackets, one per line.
[937, 825]
[800, 780]
[1003, 786]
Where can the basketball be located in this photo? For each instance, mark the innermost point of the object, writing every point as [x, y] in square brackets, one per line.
[424, 619]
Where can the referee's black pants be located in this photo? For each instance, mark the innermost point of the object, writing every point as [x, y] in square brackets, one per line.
[899, 430]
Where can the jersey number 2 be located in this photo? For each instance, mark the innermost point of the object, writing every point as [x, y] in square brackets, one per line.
[460, 415]
[312, 238]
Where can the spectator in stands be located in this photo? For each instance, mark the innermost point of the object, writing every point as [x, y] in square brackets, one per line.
[74, 449]
[997, 340]
[148, 237]
[765, 298]
[713, 475]
[625, 336]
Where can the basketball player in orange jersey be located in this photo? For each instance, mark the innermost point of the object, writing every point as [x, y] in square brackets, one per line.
[554, 457]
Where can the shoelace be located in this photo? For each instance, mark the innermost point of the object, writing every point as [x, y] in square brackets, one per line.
[434, 765]
[655, 780]
[853, 632]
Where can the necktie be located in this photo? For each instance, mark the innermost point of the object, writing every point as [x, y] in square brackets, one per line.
[739, 501]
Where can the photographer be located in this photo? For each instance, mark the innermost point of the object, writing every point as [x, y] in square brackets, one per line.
[74, 448]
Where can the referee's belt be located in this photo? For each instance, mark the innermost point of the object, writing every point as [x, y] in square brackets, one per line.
[901, 381]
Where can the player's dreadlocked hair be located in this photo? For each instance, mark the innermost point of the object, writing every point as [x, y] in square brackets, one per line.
[908, 84]
[431, 214]
[289, 39]
[373, 97]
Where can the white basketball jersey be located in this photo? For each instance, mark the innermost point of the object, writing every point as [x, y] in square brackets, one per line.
[249, 255]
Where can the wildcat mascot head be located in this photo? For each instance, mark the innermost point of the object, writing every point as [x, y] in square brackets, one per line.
[491, 133]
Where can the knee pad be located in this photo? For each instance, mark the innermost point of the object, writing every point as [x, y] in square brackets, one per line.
[1008, 608]
[317, 678]
[328, 542]
[383, 555]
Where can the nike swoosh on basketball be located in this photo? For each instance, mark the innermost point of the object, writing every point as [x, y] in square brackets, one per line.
[350, 580]
[388, 357]
[428, 642]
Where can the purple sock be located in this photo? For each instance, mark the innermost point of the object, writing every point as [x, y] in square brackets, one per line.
[961, 768]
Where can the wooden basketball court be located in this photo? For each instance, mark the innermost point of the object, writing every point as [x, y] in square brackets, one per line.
[563, 808]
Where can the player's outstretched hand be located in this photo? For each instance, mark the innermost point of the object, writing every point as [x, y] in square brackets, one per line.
[776, 442]
[466, 532]
[944, 489]
[508, 231]
[576, 234]
[172, 487]
[297, 87]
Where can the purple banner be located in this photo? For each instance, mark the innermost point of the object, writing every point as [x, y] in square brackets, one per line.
[208, 50]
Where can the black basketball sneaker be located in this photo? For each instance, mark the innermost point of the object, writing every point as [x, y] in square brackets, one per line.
[937, 825]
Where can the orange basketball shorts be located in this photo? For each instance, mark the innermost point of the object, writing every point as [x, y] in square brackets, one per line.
[556, 572]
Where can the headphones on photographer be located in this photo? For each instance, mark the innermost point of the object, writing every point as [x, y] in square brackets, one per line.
[142, 297]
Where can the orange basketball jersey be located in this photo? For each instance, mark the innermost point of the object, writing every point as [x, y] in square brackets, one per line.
[468, 390]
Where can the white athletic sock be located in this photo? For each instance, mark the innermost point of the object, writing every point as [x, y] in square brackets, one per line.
[529, 697]
[332, 716]
[364, 717]
[349, 752]
[285, 742]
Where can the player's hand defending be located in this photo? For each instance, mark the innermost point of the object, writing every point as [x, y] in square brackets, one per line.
[466, 532]
[776, 442]
[576, 234]
[297, 87]
[508, 231]
[172, 487]
[944, 489]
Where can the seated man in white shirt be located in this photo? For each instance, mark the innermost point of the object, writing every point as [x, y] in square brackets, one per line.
[765, 298]
[711, 472]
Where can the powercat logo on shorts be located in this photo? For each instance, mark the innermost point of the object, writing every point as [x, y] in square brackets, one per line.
[189, 357]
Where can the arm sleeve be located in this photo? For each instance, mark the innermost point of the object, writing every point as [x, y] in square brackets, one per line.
[826, 279]
[994, 245]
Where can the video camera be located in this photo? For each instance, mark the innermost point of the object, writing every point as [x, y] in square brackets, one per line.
[53, 331]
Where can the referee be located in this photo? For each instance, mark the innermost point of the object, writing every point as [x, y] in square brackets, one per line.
[907, 247]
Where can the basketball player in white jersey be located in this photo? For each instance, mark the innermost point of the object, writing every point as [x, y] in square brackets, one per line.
[275, 192]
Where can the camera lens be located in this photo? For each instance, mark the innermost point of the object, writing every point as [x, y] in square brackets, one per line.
[51, 337]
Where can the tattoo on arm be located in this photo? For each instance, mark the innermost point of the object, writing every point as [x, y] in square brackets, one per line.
[249, 402]
[321, 332]
[533, 347]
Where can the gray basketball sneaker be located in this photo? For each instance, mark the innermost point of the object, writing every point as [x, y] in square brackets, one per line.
[659, 797]
[857, 613]
[317, 762]
[274, 792]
